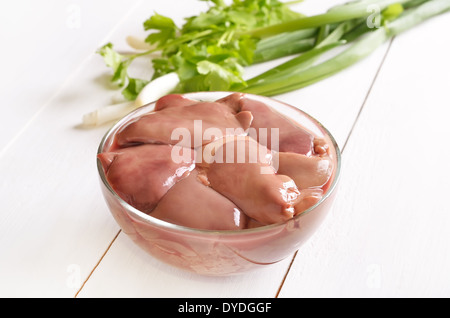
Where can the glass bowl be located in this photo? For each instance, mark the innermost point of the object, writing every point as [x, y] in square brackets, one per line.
[220, 253]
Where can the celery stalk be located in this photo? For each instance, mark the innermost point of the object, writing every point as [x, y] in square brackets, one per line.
[353, 10]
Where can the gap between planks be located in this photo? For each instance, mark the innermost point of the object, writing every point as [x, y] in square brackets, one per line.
[368, 93]
[343, 147]
[98, 263]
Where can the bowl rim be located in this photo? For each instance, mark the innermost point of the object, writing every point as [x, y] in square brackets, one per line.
[189, 230]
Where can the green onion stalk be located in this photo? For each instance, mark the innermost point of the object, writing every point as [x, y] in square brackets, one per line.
[293, 74]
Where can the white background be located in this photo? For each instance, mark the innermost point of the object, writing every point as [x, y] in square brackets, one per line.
[388, 234]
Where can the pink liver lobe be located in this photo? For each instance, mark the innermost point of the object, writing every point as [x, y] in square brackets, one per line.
[310, 174]
[142, 175]
[292, 137]
[266, 197]
[175, 112]
[193, 204]
[307, 172]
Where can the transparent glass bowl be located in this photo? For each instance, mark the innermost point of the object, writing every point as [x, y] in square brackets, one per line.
[220, 253]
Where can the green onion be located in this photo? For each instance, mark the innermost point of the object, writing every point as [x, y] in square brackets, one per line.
[298, 64]
[291, 80]
[337, 14]
[284, 44]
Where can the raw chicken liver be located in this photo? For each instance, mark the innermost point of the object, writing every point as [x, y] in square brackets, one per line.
[251, 182]
[228, 179]
[143, 174]
[176, 115]
[193, 204]
[292, 137]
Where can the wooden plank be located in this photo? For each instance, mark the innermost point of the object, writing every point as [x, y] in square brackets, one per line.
[388, 233]
[45, 43]
[137, 274]
[53, 218]
[54, 225]
[141, 275]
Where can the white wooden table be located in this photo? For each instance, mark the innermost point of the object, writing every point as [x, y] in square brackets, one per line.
[388, 234]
